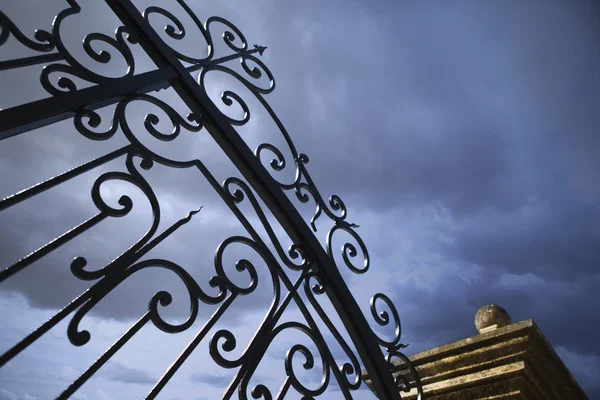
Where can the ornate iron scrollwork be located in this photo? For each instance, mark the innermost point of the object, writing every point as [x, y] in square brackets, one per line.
[311, 266]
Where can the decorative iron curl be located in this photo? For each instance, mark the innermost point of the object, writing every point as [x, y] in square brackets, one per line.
[308, 364]
[241, 265]
[134, 177]
[335, 209]
[255, 72]
[104, 56]
[223, 339]
[305, 191]
[348, 369]
[44, 41]
[278, 163]
[348, 249]
[193, 122]
[406, 380]
[262, 392]
[74, 68]
[238, 190]
[228, 97]
[81, 337]
[383, 319]
[175, 30]
[229, 37]
[227, 341]
[86, 119]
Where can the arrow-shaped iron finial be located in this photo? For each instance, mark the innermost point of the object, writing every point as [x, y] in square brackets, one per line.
[261, 49]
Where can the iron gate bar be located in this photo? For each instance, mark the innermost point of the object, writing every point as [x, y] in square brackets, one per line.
[27, 61]
[25, 117]
[281, 207]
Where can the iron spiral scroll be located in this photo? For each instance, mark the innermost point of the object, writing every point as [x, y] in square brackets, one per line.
[79, 92]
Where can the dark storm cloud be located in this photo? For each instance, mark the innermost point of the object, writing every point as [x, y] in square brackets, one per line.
[467, 111]
[557, 239]
[486, 111]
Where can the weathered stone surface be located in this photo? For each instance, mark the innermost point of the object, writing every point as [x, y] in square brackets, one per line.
[510, 362]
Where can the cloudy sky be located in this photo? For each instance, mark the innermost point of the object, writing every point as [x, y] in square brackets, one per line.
[462, 137]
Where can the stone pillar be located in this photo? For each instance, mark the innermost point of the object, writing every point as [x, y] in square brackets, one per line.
[505, 361]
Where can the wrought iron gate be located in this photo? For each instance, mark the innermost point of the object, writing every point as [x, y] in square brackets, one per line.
[77, 92]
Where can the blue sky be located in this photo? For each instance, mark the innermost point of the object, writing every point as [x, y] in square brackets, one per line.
[462, 137]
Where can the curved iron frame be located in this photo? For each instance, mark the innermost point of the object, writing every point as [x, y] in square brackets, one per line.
[319, 273]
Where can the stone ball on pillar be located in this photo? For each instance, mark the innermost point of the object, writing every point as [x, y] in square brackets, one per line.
[490, 317]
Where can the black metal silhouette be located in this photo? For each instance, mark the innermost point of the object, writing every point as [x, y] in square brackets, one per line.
[319, 273]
